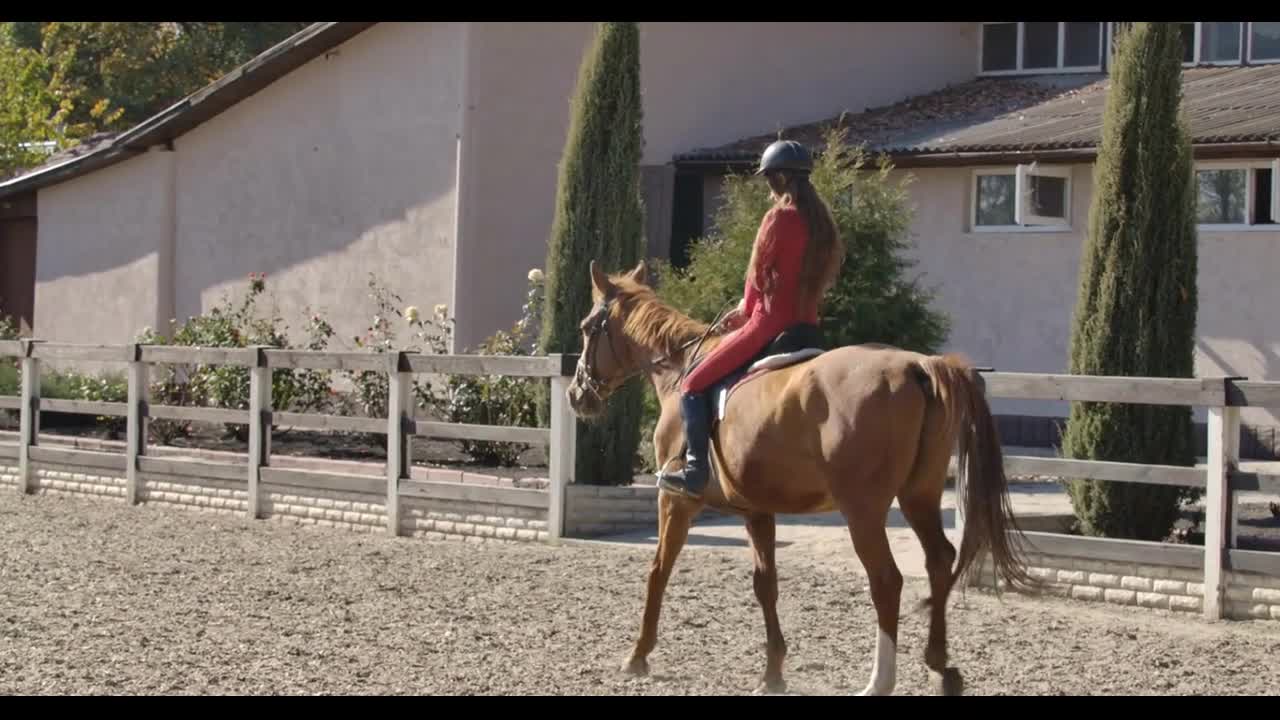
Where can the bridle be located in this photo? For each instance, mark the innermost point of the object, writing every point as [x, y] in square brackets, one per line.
[585, 373]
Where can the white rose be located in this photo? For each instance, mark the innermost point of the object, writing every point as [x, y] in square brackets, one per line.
[411, 313]
[535, 275]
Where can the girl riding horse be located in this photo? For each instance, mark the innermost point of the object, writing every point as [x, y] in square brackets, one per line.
[796, 258]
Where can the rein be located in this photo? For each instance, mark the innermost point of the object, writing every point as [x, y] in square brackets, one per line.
[585, 371]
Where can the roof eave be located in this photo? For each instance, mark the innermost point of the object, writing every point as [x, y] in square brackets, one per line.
[922, 159]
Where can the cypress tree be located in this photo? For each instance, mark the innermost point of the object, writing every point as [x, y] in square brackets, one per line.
[1135, 313]
[599, 216]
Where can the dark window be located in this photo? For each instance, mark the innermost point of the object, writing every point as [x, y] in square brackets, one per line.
[994, 200]
[1264, 43]
[1000, 46]
[1039, 45]
[1188, 42]
[1222, 196]
[1262, 197]
[1048, 196]
[686, 216]
[1082, 44]
[1219, 42]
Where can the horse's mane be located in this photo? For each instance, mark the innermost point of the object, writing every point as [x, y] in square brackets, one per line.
[651, 322]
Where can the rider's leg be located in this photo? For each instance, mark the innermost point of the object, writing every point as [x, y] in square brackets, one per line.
[695, 405]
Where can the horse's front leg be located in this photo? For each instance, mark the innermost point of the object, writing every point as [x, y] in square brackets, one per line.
[675, 515]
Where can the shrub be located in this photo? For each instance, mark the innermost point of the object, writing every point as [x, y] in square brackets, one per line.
[223, 386]
[370, 388]
[112, 387]
[497, 399]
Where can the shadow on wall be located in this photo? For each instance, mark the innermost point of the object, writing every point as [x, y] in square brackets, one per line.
[344, 167]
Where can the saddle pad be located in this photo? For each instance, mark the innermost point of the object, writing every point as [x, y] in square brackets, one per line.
[771, 362]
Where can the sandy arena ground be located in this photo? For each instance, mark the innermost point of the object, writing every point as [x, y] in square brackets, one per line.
[96, 597]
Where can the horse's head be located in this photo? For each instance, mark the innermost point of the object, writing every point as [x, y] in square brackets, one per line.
[608, 356]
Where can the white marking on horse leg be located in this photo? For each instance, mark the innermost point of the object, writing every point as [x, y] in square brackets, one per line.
[884, 670]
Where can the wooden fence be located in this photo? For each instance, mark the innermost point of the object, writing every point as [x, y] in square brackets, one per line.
[1221, 476]
[399, 426]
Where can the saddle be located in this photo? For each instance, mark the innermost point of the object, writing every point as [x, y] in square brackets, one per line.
[794, 345]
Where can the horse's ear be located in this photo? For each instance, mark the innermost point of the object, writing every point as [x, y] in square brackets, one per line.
[641, 273]
[599, 280]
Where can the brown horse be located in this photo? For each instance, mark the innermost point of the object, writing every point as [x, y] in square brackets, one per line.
[848, 430]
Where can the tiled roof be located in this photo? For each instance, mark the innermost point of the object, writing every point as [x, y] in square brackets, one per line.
[994, 115]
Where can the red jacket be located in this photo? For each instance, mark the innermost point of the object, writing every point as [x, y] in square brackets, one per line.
[779, 248]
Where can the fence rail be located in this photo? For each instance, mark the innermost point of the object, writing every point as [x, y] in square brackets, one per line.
[1221, 476]
[399, 427]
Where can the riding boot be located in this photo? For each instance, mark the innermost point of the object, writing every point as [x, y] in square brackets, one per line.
[692, 480]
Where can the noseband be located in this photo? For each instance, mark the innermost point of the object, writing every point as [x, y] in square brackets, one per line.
[585, 373]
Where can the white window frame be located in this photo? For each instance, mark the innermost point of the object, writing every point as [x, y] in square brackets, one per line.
[1250, 201]
[1022, 218]
[1248, 35]
[1196, 40]
[1062, 49]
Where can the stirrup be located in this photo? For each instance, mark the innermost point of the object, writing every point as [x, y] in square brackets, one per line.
[677, 482]
[670, 483]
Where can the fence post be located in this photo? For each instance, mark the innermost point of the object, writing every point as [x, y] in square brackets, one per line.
[29, 417]
[259, 427]
[136, 421]
[1233, 458]
[562, 454]
[1223, 454]
[399, 386]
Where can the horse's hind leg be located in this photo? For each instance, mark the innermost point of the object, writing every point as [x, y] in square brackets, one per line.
[675, 515]
[762, 530]
[923, 511]
[871, 543]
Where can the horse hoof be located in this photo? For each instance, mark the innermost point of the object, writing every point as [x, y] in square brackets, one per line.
[771, 687]
[952, 683]
[636, 666]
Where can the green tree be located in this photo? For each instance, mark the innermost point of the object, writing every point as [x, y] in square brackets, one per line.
[874, 299]
[64, 81]
[39, 103]
[1135, 313]
[599, 216]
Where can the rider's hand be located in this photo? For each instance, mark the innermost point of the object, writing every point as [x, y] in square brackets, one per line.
[732, 320]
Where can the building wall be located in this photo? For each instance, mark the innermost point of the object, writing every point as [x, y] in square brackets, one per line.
[520, 78]
[702, 84]
[1011, 295]
[104, 249]
[710, 83]
[343, 168]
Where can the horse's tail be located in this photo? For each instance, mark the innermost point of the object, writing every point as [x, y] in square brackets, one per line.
[988, 515]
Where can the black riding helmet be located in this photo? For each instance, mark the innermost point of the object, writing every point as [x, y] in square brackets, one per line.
[785, 155]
